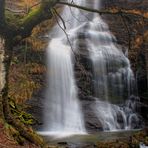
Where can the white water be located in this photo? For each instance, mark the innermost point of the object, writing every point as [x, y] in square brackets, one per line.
[62, 113]
[62, 107]
[113, 76]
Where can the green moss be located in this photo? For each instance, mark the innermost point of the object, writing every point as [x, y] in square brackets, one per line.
[24, 117]
[12, 19]
[32, 13]
[13, 133]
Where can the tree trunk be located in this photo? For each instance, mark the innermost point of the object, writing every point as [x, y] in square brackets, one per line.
[2, 73]
[8, 116]
[147, 65]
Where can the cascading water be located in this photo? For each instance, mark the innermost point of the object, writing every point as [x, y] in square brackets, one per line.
[62, 112]
[113, 78]
[62, 108]
[112, 75]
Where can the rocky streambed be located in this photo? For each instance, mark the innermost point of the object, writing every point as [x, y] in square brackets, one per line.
[122, 139]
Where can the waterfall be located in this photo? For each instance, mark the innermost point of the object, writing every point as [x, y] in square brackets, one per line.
[62, 110]
[113, 80]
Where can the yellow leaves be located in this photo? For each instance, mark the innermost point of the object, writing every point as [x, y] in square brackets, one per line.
[138, 41]
[37, 68]
[43, 28]
[37, 44]
[139, 12]
[130, 11]
[146, 37]
[113, 10]
[146, 14]
[21, 84]
[22, 91]
[21, 79]
[37, 40]
[30, 3]
[21, 3]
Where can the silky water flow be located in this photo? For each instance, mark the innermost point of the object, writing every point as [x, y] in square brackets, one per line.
[112, 75]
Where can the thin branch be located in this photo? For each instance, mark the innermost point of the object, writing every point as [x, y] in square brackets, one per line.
[80, 66]
[41, 14]
[80, 12]
[78, 18]
[117, 12]
[64, 32]
[64, 25]
[84, 8]
[35, 5]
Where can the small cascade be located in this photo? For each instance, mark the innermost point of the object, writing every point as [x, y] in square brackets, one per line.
[62, 111]
[114, 117]
[113, 79]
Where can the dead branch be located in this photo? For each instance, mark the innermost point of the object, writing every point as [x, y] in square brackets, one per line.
[64, 25]
[115, 12]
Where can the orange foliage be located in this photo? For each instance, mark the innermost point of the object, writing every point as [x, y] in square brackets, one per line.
[146, 37]
[36, 68]
[21, 83]
[138, 41]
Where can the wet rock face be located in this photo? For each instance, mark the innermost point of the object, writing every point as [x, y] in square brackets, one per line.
[83, 75]
[92, 123]
[136, 54]
[36, 107]
[83, 65]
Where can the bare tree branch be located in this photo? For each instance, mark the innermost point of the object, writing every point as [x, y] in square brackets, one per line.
[64, 25]
[35, 17]
[115, 12]
[63, 29]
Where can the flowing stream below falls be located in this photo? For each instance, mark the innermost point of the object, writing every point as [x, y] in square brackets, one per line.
[112, 77]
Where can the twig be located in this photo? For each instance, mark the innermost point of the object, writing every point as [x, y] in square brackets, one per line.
[117, 12]
[72, 2]
[63, 31]
[35, 5]
[60, 18]
[81, 67]
[76, 17]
